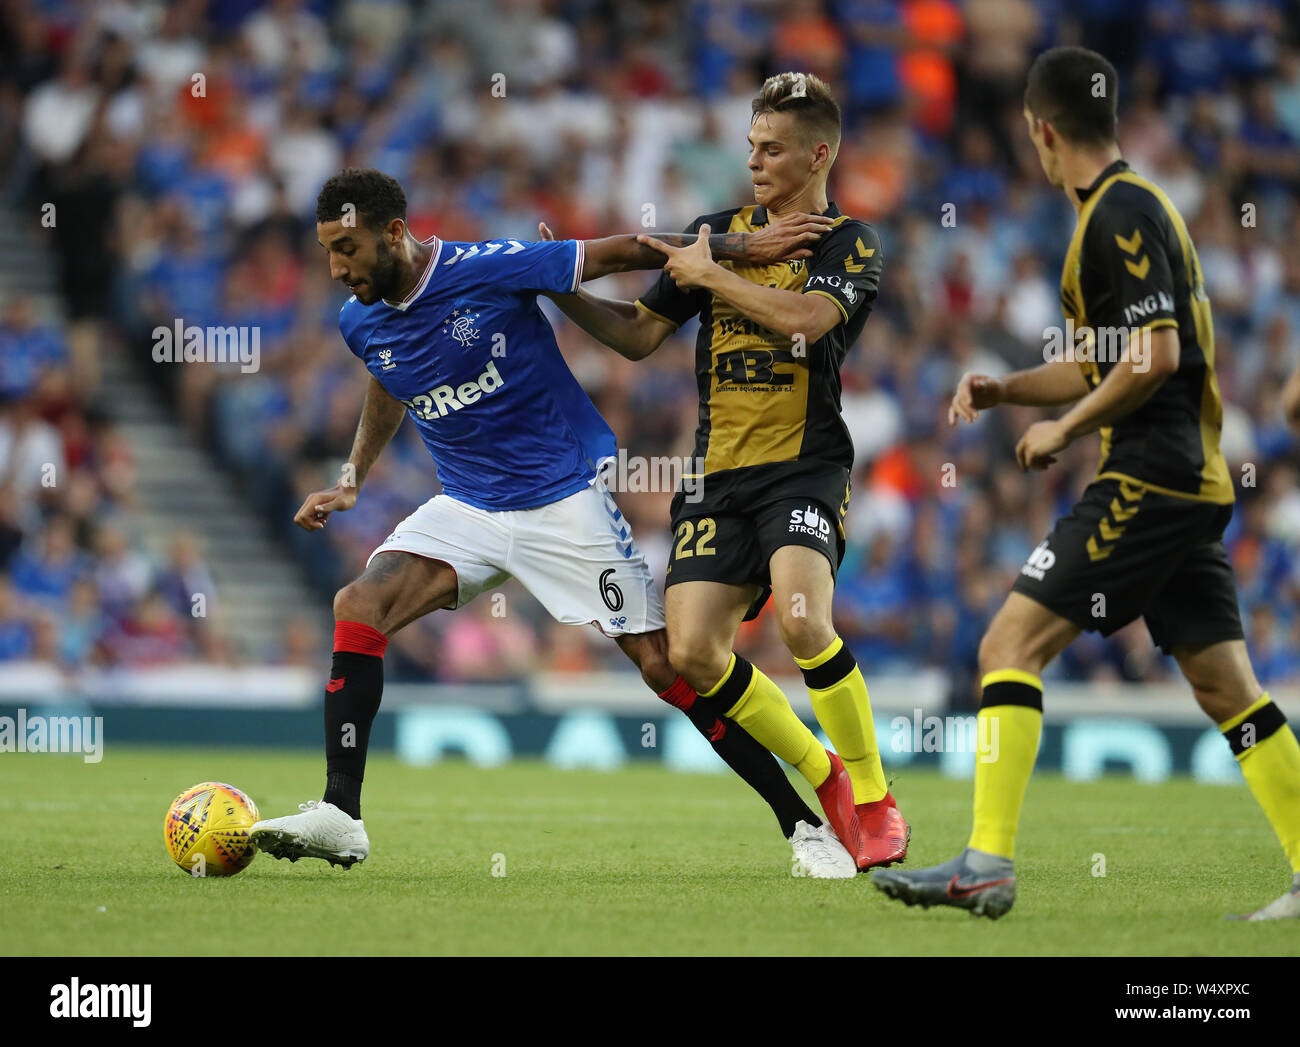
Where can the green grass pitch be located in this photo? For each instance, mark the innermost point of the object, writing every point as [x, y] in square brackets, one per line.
[639, 861]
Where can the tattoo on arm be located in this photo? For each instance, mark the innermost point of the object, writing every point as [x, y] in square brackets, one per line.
[380, 418]
[727, 246]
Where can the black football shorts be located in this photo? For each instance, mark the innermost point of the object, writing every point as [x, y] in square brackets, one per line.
[1126, 551]
[736, 548]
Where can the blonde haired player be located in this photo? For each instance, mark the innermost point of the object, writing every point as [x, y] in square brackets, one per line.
[774, 457]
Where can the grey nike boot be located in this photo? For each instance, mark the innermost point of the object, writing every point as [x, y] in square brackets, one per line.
[983, 883]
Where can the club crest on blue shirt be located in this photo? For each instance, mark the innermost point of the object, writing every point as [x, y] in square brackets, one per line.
[460, 326]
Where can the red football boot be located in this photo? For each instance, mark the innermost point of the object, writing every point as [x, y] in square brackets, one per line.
[883, 834]
[836, 797]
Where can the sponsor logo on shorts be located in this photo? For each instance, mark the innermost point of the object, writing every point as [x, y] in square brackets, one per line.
[1040, 562]
[811, 522]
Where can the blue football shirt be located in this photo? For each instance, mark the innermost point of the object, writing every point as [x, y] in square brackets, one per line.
[471, 356]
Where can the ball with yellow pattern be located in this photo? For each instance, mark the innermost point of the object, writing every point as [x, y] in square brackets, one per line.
[206, 830]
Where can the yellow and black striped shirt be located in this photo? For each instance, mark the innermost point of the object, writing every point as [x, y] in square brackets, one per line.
[770, 419]
[1131, 265]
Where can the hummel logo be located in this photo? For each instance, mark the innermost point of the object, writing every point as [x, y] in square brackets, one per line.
[965, 892]
[487, 249]
[336, 685]
[386, 358]
[863, 251]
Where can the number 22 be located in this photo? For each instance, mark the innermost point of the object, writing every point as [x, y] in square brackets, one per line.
[708, 530]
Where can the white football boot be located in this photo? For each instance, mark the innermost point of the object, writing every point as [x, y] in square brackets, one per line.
[321, 831]
[1285, 908]
[818, 853]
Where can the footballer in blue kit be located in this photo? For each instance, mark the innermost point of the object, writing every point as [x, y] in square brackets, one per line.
[469, 352]
[452, 336]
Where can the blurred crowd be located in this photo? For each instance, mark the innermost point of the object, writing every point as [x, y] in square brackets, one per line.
[189, 140]
[73, 590]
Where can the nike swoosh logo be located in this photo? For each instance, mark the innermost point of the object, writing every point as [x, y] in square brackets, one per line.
[965, 892]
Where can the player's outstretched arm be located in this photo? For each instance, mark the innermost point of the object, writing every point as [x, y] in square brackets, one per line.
[380, 417]
[1128, 385]
[1052, 384]
[629, 331]
[792, 237]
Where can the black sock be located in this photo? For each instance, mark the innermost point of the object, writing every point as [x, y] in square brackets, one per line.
[351, 701]
[344, 792]
[761, 770]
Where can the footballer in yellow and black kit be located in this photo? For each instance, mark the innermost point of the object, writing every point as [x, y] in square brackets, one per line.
[772, 454]
[1147, 533]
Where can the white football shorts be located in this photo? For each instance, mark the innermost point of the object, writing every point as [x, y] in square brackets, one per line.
[577, 556]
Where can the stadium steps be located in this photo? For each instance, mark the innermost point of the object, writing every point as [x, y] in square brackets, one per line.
[258, 587]
[180, 490]
[23, 270]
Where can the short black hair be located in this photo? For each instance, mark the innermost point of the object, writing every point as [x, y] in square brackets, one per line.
[374, 196]
[1076, 91]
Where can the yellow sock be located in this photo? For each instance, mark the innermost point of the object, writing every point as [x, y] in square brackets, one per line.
[757, 704]
[1010, 721]
[839, 698]
[1269, 757]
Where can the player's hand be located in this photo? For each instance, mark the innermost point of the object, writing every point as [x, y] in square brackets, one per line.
[975, 393]
[688, 266]
[793, 236]
[319, 504]
[1037, 449]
